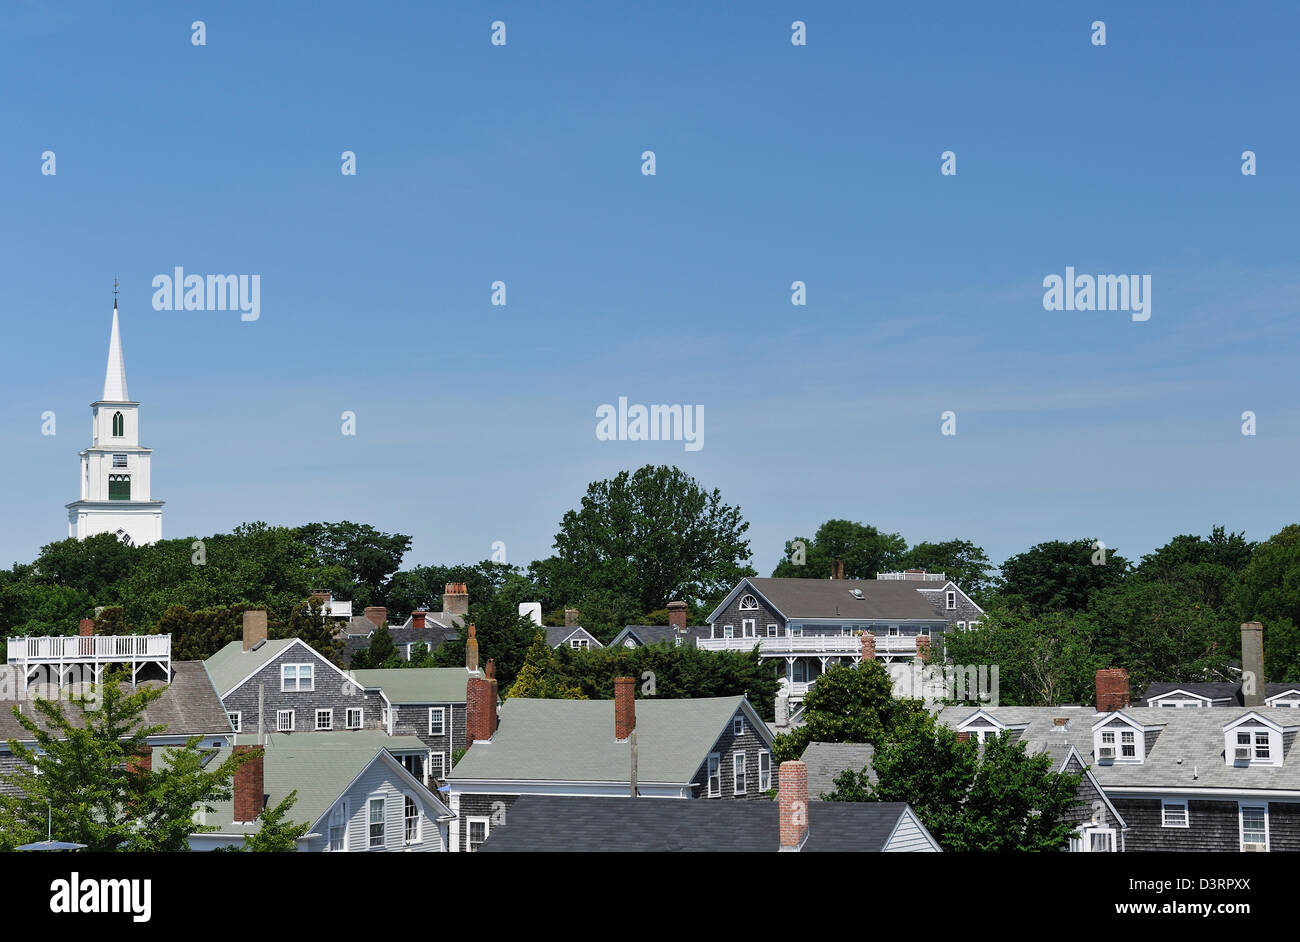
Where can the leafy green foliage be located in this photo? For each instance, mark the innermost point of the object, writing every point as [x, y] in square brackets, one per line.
[503, 635]
[1059, 576]
[960, 560]
[277, 835]
[538, 678]
[80, 772]
[368, 556]
[864, 550]
[854, 704]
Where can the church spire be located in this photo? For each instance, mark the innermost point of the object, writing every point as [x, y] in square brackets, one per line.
[115, 375]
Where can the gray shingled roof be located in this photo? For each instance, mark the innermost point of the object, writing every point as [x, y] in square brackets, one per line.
[833, 598]
[660, 634]
[539, 823]
[1188, 751]
[1221, 692]
[416, 684]
[573, 741]
[188, 707]
[825, 760]
[557, 635]
[232, 664]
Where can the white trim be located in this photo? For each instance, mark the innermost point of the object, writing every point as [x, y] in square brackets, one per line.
[342, 805]
[320, 728]
[275, 657]
[731, 597]
[1184, 804]
[419, 821]
[1241, 823]
[909, 815]
[293, 719]
[739, 774]
[764, 759]
[714, 759]
[370, 822]
[483, 819]
[236, 718]
[297, 667]
[442, 720]
[738, 720]
[361, 718]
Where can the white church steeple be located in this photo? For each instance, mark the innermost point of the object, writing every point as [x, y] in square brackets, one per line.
[115, 468]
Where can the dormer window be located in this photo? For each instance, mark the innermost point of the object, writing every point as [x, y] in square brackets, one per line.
[1119, 739]
[748, 603]
[1251, 741]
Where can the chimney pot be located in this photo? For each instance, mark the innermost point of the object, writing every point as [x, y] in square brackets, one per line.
[254, 628]
[455, 599]
[1112, 690]
[624, 707]
[417, 619]
[471, 651]
[250, 784]
[86, 628]
[792, 797]
[677, 615]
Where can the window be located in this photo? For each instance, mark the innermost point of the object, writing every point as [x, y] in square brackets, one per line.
[119, 425]
[476, 832]
[354, 716]
[748, 603]
[728, 631]
[338, 833]
[738, 726]
[1261, 746]
[961, 625]
[738, 773]
[437, 721]
[438, 765]
[297, 677]
[579, 643]
[794, 632]
[764, 771]
[119, 487]
[1128, 744]
[747, 629]
[414, 765]
[952, 600]
[284, 721]
[1092, 839]
[119, 461]
[377, 836]
[1254, 826]
[715, 776]
[324, 719]
[1173, 814]
[236, 721]
[771, 631]
[411, 816]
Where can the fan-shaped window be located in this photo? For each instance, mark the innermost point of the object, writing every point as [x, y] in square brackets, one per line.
[748, 603]
[119, 425]
[124, 537]
[119, 487]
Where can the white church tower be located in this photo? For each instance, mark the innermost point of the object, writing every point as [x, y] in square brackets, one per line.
[115, 468]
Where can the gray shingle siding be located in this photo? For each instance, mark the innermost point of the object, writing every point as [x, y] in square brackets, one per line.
[413, 720]
[328, 694]
[1089, 803]
[763, 616]
[1212, 826]
[727, 746]
[496, 808]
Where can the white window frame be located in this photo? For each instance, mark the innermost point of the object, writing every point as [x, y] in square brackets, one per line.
[738, 726]
[329, 720]
[370, 822]
[961, 626]
[579, 643]
[236, 718]
[1182, 814]
[748, 628]
[728, 631]
[440, 773]
[748, 603]
[1263, 741]
[338, 819]
[772, 631]
[764, 771]
[279, 720]
[1116, 731]
[361, 717]
[1241, 822]
[1081, 840]
[713, 773]
[470, 846]
[297, 670]
[441, 713]
[951, 600]
[408, 803]
[739, 777]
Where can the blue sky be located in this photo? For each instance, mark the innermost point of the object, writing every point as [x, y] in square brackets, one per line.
[775, 163]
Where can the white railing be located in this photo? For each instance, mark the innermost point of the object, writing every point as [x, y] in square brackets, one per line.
[67, 649]
[811, 644]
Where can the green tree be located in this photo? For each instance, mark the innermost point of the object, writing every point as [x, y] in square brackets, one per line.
[381, 652]
[369, 556]
[79, 770]
[538, 679]
[961, 560]
[1002, 799]
[503, 635]
[653, 536]
[1206, 570]
[1268, 591]
[854, 704]
[1060, 577]
[312, 624]
[276, 834]
[864, 550]
[94, 565]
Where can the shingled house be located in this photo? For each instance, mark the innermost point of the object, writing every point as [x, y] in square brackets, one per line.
[420, 627]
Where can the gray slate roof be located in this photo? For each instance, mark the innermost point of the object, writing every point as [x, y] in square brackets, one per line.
[1187, 752]
[188, 707]
[1220, 692]
[232, 664]
[825, 760]
[573, 741]
[659, 634]
[416, 684]
[538, 823]
[833, 598]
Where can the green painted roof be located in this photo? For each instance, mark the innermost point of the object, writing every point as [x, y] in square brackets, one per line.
[232, 663]
[417, 684]
[319, 765]
[573, 741]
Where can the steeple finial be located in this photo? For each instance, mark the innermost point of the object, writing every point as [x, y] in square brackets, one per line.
[115, 292]
[115, 375]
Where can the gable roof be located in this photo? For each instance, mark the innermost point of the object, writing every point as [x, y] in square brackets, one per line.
[825, 760]
[189, 706]
[321, 767]
[557, 635]
[230, 667]
[659, 634]
[416, 684]
[1220, 693]
[833, 598]
[573, 741]
[552, 823]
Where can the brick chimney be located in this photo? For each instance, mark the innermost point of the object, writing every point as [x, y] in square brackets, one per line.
[254, 628]
[142, 761]
[792, 797]
[86, 628]
[471, 651]
[481, 706]
[837, 569]
[923, 648]
[1252, 663]
[250, 784]
[378, 615]
[868, 646]
[624, 707]
[325, 595]
[417, 619]
[677, 615]
[455, 599]
[571, 616]
[1112, 690]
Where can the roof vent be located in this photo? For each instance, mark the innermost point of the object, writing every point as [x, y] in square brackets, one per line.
[856, 593]
[258, 645]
